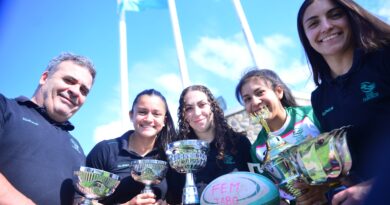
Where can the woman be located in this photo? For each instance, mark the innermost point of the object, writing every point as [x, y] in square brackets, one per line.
[153, 130]
[348, 51]
[260, 88]
[200, 117]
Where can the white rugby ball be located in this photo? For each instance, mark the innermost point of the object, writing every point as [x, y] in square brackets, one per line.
[241, 188]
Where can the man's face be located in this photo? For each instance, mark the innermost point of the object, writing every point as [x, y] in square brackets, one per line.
[64, 91]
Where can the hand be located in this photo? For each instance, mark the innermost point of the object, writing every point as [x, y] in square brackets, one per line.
[144, 199]
[312, 194]
[354, 194]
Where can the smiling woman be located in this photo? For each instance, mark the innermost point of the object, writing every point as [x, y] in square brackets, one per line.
[200, 117]
[348, 49]
[153, 130]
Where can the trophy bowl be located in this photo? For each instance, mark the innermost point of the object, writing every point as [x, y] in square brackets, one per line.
[148, 172]
[324, 158]
[94, 184]
[188, 156]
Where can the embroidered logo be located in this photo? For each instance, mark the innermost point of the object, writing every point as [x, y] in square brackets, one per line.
[30, 121]
[75, 145]
[228, 159]
[123, 165]
[368, 88]
[326, 111]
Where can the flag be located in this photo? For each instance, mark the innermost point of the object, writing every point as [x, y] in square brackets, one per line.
[140, 5]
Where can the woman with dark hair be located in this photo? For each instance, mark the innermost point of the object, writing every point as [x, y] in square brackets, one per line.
[349, 54]
[260, 88]
[200, 117]
[153, 130]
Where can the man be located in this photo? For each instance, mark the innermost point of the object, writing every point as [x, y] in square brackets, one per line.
[37, 153]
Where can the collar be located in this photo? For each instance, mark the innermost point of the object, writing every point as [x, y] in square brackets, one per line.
[22, 100]
[358, 56]
[124, 141]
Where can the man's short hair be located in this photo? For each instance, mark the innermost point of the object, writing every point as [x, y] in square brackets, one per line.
[77, 59]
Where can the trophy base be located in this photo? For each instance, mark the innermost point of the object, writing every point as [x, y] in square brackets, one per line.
[190, 196]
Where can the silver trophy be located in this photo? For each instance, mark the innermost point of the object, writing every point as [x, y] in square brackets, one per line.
[94, 184]
[188, 156]
[319, 160]
[148, 172]
[323, 159]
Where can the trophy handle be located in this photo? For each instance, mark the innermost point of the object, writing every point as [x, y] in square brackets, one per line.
[253, 166]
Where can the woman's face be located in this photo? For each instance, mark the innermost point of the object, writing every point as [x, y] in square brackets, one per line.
[198, 112]
[257, 93]
[327, 28]
[148, 115]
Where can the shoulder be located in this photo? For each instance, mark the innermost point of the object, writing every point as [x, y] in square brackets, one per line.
[300, 110]
[105, 148]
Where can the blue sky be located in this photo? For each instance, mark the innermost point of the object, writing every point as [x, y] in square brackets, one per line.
[34, 31]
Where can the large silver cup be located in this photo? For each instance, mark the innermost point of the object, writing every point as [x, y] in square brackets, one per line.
[323, 159]
[94, 184]
[148, 172]
[188, 156]
[320, 160]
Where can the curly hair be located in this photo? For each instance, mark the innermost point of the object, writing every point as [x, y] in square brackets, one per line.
[224, 133]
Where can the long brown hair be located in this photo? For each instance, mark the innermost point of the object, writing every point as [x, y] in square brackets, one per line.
[224, 133]
[369, 33]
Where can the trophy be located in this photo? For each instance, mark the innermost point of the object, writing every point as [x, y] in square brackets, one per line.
[324, 158]
[318, 160]
[188, 156]
[276, 163]
[94, 184]
[148, 172]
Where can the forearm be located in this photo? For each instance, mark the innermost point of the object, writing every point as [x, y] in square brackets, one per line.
[11, 196]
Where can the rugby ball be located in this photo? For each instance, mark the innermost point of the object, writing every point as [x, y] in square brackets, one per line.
[241, 188]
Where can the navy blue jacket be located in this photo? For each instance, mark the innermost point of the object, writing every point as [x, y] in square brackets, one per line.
[360, 98]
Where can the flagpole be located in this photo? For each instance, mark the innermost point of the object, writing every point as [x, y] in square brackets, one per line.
[125, 122]
[247, 32]
[179, 44]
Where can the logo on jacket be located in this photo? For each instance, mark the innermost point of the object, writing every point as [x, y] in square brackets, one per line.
[75, 145]
[326, 111]
[368, 88]
[228, 159]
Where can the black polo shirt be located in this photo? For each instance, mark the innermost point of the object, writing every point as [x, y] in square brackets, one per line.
[114, 156]
[360, 98]
[37, 155]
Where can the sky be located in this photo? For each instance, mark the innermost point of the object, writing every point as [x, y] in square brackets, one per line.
[34, 31]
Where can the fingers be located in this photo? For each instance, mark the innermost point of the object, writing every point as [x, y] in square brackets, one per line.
[143, 199]
[311, 194]
[340, 197]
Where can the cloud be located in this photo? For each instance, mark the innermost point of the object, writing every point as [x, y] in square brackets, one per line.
[229, 57]
[110, 130]
[170, 82]
[224, 57]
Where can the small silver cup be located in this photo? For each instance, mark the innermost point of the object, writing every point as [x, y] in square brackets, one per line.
[94, 184]
[188, 156]
[148, 172]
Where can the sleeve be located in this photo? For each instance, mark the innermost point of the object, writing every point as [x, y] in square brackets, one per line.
[313, 117]
[98, 157]
[260, 140]
[317, 115]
